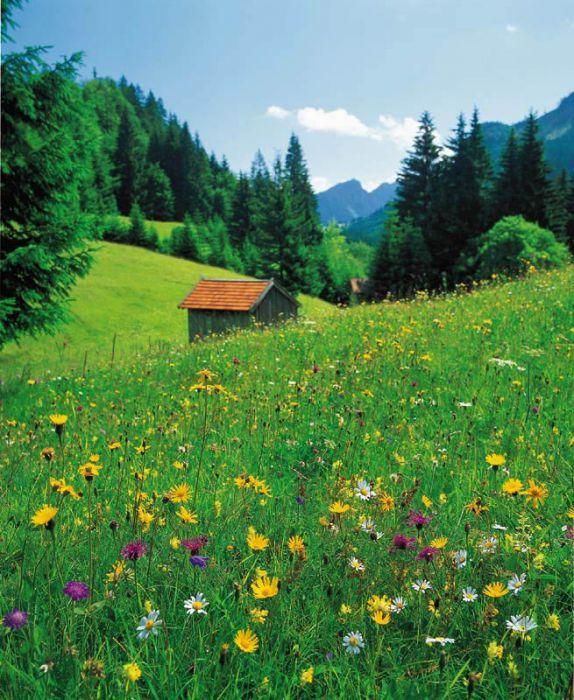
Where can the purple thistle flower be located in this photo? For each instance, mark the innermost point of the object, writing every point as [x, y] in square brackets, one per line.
[403, 542]
[196, 544]
[427, 553]
[15, 619]
[76, 590]
[417, 519]
[134, 550]
[300, 500]
[199, 561]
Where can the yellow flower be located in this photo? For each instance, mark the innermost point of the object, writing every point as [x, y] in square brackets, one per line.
[247, 641]
[256, 541]
[265, 587]
[217, 508]
[477, 506]
[58, 420]
[535, 493]
[570, 512]
[132, 671]
[495, 590]
[387, 502]
[175, 542]
[187, 516]
[426, 501]
[378, 603]
[89, 470]
[205, 374]
[443, 498]
[439, 542]
[44, 516]
[296, 545]
[339, 508]
[381, 618]
[494, 651]
[48, 453]
[495, 460]
[179, 465]
[512, 487]
[179, 494]
[553, 622]
[145, 517]
[345, 609]
[307, 675]
[115, 445]
[258, 615]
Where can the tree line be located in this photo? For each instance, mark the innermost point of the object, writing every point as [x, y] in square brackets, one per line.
[449, 197]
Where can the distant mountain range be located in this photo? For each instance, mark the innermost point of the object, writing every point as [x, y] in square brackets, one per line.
[349, 203]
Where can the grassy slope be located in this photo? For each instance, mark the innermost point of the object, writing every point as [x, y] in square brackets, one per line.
[131, 292]
[406, 389]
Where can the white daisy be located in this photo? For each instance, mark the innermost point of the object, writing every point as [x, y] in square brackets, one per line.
[522, 624]
[469, 594]
[364, 491]
[488, 545]
[440, 640]
[196, 604]
[422, 585]
[149, 624]
[516, 583]
[368, 526]
[356, 564]
[398, 604]
[459, 558]
[353, 642]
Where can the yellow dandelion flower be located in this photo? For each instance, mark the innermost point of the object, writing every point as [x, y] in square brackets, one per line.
[179, 465]
[339, 508]
[495, 460]
[345, 609]
[381, 618]
[265, 587]
[89, 470]
[512, 487]
[387, 502]
[296, 545]
[426, 501]
[259, 615]
[187, 516]
[44, 516]
[179, 494]
[145, 517]
[495, 590]
[132, 671]
[115, 445]
[378, 603]
[536, 493]
[247, 641]
[307, 675]
[174, 542]
[494, 651]
[553, 622]
[58, 420]
[439, 542]
[256, 541]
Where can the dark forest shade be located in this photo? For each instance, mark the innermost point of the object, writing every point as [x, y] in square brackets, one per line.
[220, 305]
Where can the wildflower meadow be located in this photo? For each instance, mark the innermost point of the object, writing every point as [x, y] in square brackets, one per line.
[370, 503]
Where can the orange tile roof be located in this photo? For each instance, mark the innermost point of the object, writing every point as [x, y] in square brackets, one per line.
[224, 295]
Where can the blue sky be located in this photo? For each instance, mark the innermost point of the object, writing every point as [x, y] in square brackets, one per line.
[349, 76]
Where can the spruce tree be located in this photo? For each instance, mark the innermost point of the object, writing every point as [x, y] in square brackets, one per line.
[129, 159]
[138, 234]
[303, 199]
[557, 207]
[241, 224]
[418, 185]
[507, 190]
[156, 197]
[533, 173]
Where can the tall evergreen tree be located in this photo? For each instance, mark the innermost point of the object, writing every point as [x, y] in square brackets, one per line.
[557, 213]
[303, 199]
[418, 184]
[507, 191]
[45, 165]
[130, 160]
[533, 173]
[156, 198]
[241, 224]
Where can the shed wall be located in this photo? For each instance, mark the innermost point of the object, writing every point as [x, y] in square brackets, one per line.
[205, 322]
[275, 307]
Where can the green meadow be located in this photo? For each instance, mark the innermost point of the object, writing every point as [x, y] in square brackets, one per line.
[372, 502]
[130, 294]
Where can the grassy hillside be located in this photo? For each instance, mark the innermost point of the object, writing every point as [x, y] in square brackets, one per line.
[302, 451]
[130, 292]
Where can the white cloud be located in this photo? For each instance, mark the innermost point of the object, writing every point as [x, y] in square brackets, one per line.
[337, 121]
[400, 131]
[511, 28]
[277, 112]
[319, 184]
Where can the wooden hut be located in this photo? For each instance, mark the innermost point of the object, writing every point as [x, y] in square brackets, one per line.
[218, 305]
